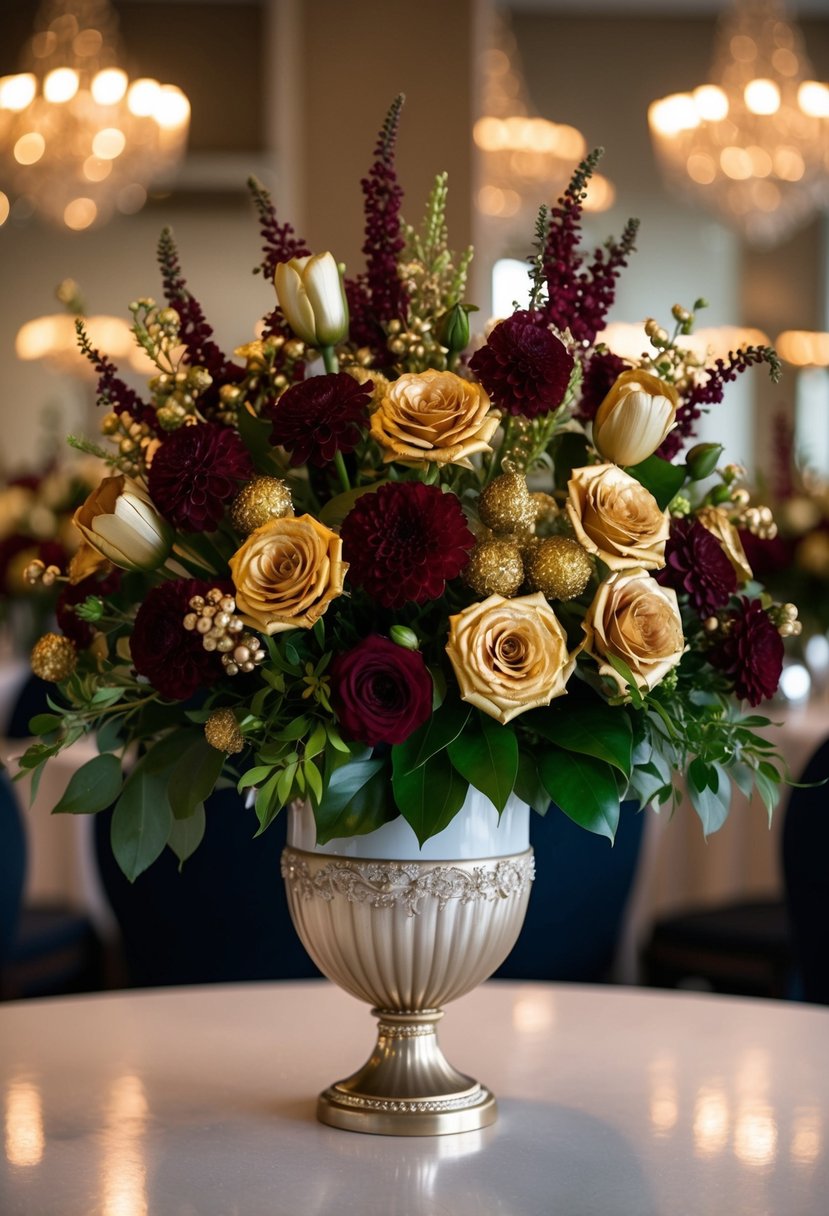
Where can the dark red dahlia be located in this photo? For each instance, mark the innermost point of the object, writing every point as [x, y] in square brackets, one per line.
[750, 652]
[404, 540]
[321, 416]
[173, 660]
[195, 472]
[73, 594]
[600, 374]
[696, 564]
[524, 367]
[382, 693]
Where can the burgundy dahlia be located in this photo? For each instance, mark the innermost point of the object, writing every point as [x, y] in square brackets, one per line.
[321, 416]
[750, 653]
[195, 472]
[382, 693]
[524, 367]
[600, 374]
[696, 564]
[173, 660]
[404, 540]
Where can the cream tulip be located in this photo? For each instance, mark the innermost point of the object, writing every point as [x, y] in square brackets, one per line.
[120, 521]
[634, 417]
[311, 295]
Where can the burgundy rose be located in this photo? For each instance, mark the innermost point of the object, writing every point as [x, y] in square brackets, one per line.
[172, 659]
[382, 693]
[524, 367]
[750, 652]
[404, 540]
[195, 472]
[696, 564]
[321, 416]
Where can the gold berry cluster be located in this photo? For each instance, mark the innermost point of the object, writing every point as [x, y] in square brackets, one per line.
[213, 616]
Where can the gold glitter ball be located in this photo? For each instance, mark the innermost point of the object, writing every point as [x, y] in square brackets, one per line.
[221, 730]
[54, 657]
[258, 502]
[505, 505]
[495, 568]
[546, 512]
[559, 568]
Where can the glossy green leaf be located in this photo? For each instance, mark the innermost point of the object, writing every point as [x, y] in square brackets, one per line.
[194, 776]
[584, 788]
[486, 755]
[710, 791]
[529, 786]
[357, 800]
[44, 724]
[141, 822]
[599, 730]
[187, 834]
[429, 797]
[93, 787]
[444, 726]
[662, 478]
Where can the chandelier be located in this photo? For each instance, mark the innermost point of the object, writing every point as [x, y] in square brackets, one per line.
[79, 140]
[753, 144]
[525, 159]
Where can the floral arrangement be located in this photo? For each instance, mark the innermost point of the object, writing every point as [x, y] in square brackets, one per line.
[36, 512]
[359, 565]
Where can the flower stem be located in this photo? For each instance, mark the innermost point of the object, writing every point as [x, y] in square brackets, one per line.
[329, 358]
[342, 473]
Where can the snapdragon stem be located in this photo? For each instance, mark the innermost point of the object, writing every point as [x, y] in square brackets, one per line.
[329, 358]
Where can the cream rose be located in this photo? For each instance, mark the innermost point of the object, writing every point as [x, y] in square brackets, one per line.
[509, 655]
[616, 518]
[716, 520]
[435, 417]
[633, 619]
[634, 417]
[287, 573]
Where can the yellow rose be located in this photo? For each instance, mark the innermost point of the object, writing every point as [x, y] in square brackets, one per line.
[287, 573]
[435, 417]
[633, 619]
[716, 520]
[616, 518]
[634, 417]
[509, 655]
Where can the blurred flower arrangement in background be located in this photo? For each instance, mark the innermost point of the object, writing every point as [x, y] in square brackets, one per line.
[356, 565]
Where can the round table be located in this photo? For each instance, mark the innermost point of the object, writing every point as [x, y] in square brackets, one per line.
[194, 1102]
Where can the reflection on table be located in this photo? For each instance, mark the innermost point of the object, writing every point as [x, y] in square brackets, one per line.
[611, 1101]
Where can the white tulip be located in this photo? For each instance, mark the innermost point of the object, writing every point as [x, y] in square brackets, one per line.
[120, 520]
[311, 295]
[634, 418]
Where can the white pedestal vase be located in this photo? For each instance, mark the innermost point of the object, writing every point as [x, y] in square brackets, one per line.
[408, 929]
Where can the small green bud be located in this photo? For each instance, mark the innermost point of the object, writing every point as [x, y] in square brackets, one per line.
[403, 636]
[718, 495]
[702, 460]
[453, 328]
[92, 608]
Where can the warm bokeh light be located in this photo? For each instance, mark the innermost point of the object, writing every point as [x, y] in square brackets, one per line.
[109, 86]
[813, 98]
[80, 213]
[24, 1124]
[803, 348]
[171, 109]
[108, 143]
[711, 102]
[61, 85]
[142, 96]
[5, 208]
[762, 96]
[711, 1122]
[29, 148]
[17, 92]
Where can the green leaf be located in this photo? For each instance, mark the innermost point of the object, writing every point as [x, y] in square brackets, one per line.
[141, 822]
[486, 756]
[106, 696]
[627, 675]
[528, 785]
[316, 742]
[441, 729]
[254, 776]
[268, 804]
[187, 834]
[346, 799]
[335, 510]
[584, 788]
[255, 433]
[662, 478]
[430, 797]
[314, 779]
[109, 734]
[710, 791]
[44, 724]
[599, 730]
[93, 787]
[194, 775]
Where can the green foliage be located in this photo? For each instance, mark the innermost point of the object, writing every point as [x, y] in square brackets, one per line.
[429, 797]
[93, 787]
[662, 478]
[486, 755]
[582, 787]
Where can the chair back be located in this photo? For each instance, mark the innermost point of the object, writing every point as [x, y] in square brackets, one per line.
[12, 866]
[806, 876]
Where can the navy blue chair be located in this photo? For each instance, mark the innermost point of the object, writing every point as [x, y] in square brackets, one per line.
[806, 878]
[30, 700]
[45, 949]
[576, 909]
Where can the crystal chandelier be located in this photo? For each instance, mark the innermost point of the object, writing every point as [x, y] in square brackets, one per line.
[78, 140]
[753, 144]
[525, 159]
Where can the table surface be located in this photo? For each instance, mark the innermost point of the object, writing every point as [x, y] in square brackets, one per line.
[194, 1102]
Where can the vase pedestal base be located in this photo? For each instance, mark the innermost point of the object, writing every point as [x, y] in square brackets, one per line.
[407, 1087]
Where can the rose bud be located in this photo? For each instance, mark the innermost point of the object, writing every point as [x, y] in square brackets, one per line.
[311, 295]
[121, 522]
[453, 328]
[634, 417]
[702, 460]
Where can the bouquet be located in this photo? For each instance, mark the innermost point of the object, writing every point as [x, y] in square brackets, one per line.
[360, 565]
